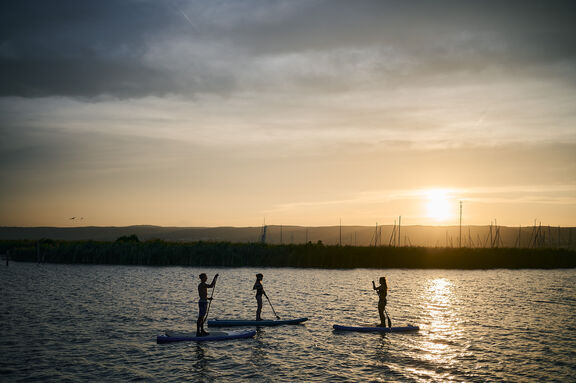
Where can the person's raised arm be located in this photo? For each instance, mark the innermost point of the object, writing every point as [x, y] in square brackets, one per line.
[213, 281]
[373, 285]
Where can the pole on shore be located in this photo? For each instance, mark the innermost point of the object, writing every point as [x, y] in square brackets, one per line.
[399, 226]
[460, 239]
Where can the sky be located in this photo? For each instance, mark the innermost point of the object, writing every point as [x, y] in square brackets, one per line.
[300, 112]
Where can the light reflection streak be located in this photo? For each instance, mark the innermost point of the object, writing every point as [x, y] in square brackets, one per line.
[438, 301]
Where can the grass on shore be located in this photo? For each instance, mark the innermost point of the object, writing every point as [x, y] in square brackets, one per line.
[130, 251]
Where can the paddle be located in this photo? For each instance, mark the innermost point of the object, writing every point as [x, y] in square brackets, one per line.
[210, 300]
[388, 317]
[274, 311]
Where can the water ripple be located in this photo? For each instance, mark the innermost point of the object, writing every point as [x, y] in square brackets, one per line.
[98, 323]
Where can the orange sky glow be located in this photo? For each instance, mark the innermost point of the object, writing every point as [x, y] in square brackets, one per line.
[304, 113]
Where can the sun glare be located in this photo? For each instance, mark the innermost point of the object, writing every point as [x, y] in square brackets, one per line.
[438, 206]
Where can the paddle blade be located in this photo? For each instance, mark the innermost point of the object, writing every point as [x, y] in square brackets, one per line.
[388, 318]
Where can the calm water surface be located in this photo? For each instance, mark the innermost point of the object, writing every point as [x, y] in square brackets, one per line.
[99, 323]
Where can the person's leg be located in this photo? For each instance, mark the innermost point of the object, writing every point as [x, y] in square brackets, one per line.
[202, 307]
[381, 307]
[259, 309]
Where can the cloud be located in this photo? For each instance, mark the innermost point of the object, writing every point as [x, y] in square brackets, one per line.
[80, 48]
[520, 194]
[137, 48]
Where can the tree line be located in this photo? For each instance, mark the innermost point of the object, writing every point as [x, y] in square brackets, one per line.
[128, 250]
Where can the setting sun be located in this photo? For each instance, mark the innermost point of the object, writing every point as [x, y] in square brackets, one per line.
[211, 114]
[438, 207]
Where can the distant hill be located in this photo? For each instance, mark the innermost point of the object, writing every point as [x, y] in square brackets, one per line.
[429, 236]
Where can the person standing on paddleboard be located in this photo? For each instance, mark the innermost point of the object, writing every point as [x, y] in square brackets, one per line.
[382, 291]
[203, 302]
[259, 292]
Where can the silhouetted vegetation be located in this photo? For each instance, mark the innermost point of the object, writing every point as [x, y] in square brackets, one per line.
[128, 238]
[162, 253]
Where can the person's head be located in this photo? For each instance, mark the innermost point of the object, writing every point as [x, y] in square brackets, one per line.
[259, 276]
[382, 280]
[203, 277]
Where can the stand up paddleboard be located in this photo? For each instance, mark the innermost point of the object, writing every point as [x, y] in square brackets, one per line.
[214, 336]
[376, 329]
[241, 322]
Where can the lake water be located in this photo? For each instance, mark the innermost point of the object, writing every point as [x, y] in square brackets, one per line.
[99, 323]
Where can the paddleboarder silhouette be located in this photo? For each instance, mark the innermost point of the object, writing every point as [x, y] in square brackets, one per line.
[203, 302]
[259, 292]
[382, 291]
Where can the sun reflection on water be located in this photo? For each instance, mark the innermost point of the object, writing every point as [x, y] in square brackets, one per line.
[436, 355]
[438, 309]
[440, 286]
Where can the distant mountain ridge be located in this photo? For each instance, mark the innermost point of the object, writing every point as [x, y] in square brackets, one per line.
[430, 236]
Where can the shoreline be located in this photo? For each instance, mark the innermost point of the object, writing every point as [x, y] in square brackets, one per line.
[227, 254]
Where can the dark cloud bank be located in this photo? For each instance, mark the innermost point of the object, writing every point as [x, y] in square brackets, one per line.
[91, 48]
